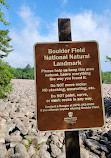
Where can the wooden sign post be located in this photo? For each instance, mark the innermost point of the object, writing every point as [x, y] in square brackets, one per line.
[68, 87]
[71, 137]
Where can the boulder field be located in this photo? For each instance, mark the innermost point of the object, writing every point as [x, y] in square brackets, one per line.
[20, 139]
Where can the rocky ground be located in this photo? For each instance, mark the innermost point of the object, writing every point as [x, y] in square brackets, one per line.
[19, 138]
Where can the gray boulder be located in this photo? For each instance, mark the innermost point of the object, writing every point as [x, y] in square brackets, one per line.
[4, 129]
[87, 154]
[3, 152]
[17, 155]
[20, 148]
[55, 150]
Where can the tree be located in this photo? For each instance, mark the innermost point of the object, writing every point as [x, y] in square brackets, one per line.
[5, 47]
[27, 68]
[22, 73]
[5, 78]
[108, 58]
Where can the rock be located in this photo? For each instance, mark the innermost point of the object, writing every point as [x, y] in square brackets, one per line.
[18, 131]
[13, 144]
[59, 144]
[14, 98]
[4, 129]
[13, 138]
[44, 147]
[62, 155]
[44, 154]
[90, 133]
[22, 128]
[82, 135]
[10, 152]
[2, 140]
[25, 142]
[61, 139]
[4, 114]
[35, 142]
[27, 112]
[3, 152]
[41, 139]
[17, 115]
[2, 103]
[97, 138]
[103, 155]
[104, 148]
[60, 134]
[63, 149]
[54, 138]
[30, 137]
[55, 150]
[31, 150]
[47, 134]
[81, 142]
[32, 131]
[109, 133]
[35, 156]
[17, 155]
[87, 154]
[109, 155]
[20, 148]
[11, 127]
[92, 144]
[109, 146]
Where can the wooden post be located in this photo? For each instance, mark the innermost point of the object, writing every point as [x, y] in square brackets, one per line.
[71, 137]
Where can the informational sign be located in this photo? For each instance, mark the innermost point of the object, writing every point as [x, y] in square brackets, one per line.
[68, 86]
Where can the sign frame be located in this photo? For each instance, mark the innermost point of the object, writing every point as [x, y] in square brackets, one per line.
[65, 42]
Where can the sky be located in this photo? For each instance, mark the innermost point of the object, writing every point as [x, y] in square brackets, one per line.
[37, 21]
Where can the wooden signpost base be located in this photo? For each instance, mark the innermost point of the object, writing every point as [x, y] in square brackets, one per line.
[71, 137]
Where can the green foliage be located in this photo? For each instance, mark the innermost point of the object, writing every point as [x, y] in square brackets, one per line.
[48, 141]
[108, 58]
[22, 73]
[4, 43]
[30, 140]
[5, 78]
[5, 47]
[106, 77]
[2, 19]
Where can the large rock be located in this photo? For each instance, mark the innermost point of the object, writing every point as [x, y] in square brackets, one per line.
[2, 105]
[41, 154]
[4, 114]
[4, 129]
[14, 98]
[10, 152]
[44, 147]
[87, 154]
[13, 138]
[92, 144]
[2, 140]
[55, 150]
[17, 155]
[3, 152]
[109, 134]
[55, 139]
[62, 155]
[41, 139]
[17, 115]
[31, 150]
[23, 129]
[20, 148]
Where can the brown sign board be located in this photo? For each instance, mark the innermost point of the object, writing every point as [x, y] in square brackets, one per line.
[68, 86]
